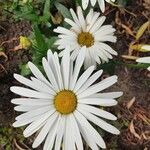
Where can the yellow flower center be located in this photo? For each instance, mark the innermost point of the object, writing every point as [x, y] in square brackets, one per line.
[65, 102]
[85, 39]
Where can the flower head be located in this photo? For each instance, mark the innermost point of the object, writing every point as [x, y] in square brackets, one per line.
[88, 32]
[144, 60]
[101, 3]
[61, 105]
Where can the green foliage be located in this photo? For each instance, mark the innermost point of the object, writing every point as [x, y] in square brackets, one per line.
[7, 135]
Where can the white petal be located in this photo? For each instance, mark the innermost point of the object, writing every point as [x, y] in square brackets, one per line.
[99, 86]
[31, 102]
[78, 65]
[65, 31]
[29, 93]
[83, 78]
[81, 18]
[40, 86]
[108, 95]
[68, 138]
[36, 125]
[60, 133]
[37, 73]
[49, 143]
[45, 129]
[93, 2]
[99, 122]
[96, 111]
[90, 81]
[35, 112]
[50, 74]
[94, 18]
[66, 67]
[75, 18]
[73, 24]
[76, 133]
[98, 101]
[85, 4]
[101, 5]
[21, 108]
[89, 133]
[98, 24]
[144, 60]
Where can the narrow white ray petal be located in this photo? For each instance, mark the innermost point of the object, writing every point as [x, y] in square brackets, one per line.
[101, 5]
[23, 122]
[98, 101]
[107, 48]
[68, 138]
[81, 18]
[76, 133]
[144, 60]
[97, 24]
[90, 81]
[108, 55]
[105, 38]
[99, 86]
[91, 136]
[78, 65]
[21, 108]
[65, 31]
[94, 18]
[96, 111]
[83, 78]
[100, 53]
[73, 24]
[89, 16]
[60, 133]
[75, 18]
[29, 93]
[87, 61]
[45, 129]
[93, 2]
[42, 87]
[58, 71]
[99, 122]
[36, 125]
[65, 67]
[31, 102]
[35, 112]
[85, 4]
[148, 68]
[37, 73]
[49, 143]
[50, 74]
[107, 95]
[104, 30]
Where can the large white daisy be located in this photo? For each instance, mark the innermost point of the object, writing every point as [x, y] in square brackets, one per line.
[61, 105]
[101, 3]
[87, 32]
[145, 60]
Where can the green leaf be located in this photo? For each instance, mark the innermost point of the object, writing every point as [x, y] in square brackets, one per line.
[46, 11]
[40, 40]
[64, 10]
[24, 69]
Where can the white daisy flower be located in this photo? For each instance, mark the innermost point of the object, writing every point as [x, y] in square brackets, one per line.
[101, 3]
[87, 32]
[144, 60]
[61, 105]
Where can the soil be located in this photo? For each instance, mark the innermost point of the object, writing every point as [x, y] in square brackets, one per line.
[135, 83]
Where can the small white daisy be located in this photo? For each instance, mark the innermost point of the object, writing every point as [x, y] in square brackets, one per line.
[101, 3]
[145, 60]
[87, 32]
[61, 105]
